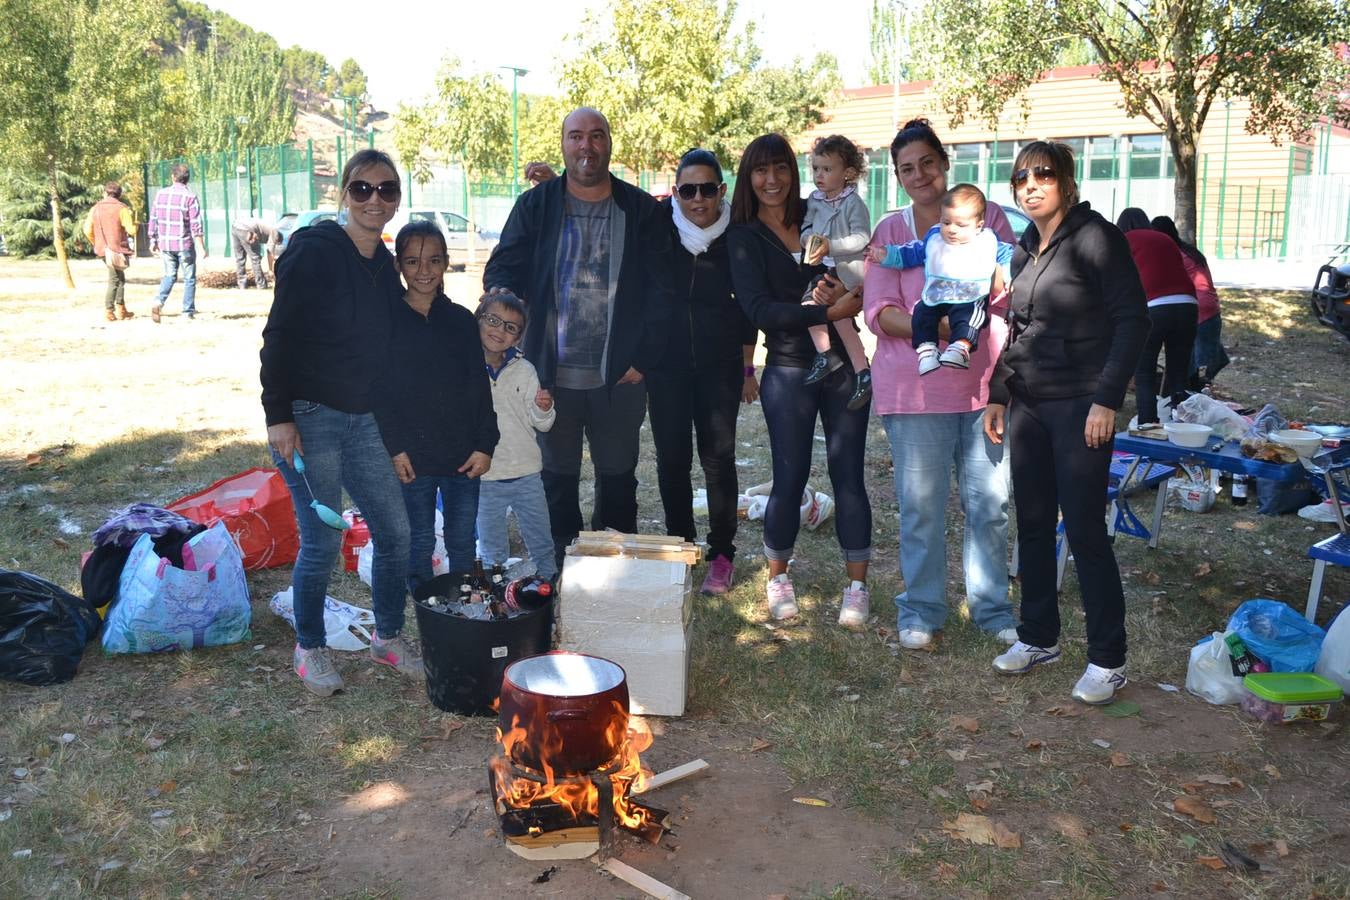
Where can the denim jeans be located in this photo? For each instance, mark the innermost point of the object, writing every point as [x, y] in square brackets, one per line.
[174, 260]
[525, 497]
[345, 450]
[924, 448]
[459, 509]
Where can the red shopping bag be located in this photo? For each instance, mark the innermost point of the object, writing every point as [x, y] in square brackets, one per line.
[257, 511]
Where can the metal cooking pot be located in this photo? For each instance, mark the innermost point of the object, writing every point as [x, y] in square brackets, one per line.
[572, 708]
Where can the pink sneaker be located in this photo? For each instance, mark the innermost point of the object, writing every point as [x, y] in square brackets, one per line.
[720, 575]
[782, 598]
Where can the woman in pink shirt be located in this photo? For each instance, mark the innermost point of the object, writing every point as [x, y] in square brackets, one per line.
[934, 423]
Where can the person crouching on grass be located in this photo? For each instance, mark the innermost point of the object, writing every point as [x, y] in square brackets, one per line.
[523, 408]
[435, 406]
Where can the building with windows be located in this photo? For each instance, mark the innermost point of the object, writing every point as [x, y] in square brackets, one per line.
[1253, 197]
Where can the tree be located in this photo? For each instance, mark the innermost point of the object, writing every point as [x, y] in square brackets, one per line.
[1172, 61]
[78, 76]
[26, 214]
[541, 117]
[888, 26]
[673, 74]
[349, 79]
[468, 121]
[236, 95]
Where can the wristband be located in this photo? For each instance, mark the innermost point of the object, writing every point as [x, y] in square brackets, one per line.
[749, 371]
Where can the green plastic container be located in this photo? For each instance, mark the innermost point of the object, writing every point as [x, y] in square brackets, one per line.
[1283, 697]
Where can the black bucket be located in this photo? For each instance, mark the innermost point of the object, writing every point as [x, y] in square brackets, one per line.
[465, 658]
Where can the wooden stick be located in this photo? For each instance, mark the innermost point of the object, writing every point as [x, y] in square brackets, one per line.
[675, 774]
[645, 883]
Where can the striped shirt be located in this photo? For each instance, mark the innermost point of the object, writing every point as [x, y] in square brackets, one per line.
[175, 218]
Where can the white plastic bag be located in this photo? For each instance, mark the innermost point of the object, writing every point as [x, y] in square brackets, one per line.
[440, 559]
[1194, 496]
[1202, 409]
[345, 627]
[1210, 674]
[816, 506]
[1334, 660]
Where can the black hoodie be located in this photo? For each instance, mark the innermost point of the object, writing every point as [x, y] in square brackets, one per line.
[327, 336]
[1079, 317]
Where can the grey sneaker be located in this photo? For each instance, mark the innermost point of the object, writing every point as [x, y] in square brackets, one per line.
[316, 670]
[1098, 685]
[1021, 658]
[398, 653]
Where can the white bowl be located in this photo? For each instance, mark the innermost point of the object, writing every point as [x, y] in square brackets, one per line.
[1304, 443]
[1187, 434]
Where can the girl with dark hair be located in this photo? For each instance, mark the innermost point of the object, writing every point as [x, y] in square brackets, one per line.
[707, 368]
[1078, 322]
[1209, 355]
[769, 279]
[435, 406]
[1172, 312]
[325, 343]
[934, 423]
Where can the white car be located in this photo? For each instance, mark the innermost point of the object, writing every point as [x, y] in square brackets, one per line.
[458, 237]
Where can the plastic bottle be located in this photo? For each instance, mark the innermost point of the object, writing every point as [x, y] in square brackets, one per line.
[1239, 488]
[535, 595]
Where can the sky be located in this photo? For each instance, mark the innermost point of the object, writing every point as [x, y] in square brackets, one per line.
[401, 52]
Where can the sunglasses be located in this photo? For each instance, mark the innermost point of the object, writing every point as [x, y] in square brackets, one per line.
[492, 321]
[1042, 174]
[389, 191]
[708, 189]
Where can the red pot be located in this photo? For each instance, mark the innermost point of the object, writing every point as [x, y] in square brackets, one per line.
[564, 711]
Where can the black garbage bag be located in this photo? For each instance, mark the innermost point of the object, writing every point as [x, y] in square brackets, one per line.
[43, 629]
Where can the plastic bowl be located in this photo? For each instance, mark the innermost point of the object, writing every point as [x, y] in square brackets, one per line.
[1186, 434]
[1304, 443]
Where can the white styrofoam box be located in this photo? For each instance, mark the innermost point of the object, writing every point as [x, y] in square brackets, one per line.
[656, 665]
[621, 589]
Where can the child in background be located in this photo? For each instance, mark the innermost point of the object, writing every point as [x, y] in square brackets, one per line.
[514, 484]
[960, 257]
[835, 232]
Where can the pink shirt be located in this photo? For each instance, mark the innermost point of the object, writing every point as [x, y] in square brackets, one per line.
[896, 384]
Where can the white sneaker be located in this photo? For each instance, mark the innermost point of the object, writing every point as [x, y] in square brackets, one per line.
[956, 355]
[915, 638]
[856, 606]
[1098, 686]
[1007, 635]
[1021, 658]
[928, 358]
[1323, 512]
[782, 598]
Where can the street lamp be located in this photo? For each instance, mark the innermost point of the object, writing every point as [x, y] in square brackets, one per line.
[515, 126]
[348, 118]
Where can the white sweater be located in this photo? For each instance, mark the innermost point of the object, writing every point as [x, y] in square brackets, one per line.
[513, 391]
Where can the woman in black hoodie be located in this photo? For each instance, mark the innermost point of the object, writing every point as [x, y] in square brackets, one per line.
[1079, 321]
[325, 343]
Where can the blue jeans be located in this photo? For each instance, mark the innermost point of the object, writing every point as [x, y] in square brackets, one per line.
[924, 447]
[345, 450]
[173, 261]
[525, 497]
[459, 508]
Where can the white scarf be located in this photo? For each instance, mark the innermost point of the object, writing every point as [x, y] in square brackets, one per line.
[694, 238]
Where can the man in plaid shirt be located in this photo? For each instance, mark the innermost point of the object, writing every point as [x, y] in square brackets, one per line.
[175, 221]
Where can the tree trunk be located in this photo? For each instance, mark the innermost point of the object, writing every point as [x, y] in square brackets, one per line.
[1182, 142]
[58, 239]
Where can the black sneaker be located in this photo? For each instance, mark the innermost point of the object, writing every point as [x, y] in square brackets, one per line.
[824, 365]
[862, 391]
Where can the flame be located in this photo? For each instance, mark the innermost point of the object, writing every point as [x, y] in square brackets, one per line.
[577, 794]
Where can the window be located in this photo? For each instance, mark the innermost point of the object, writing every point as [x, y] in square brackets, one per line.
[1146, 156]
[454, 222]
[965, 159]
[1001, 156]
[1102, 157]
[421, 217]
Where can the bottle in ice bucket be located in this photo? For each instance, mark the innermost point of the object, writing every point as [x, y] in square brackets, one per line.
[1239, 488]
[534, 594]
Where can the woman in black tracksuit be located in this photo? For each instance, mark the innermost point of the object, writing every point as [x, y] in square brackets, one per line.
[705, 369]
[1079, 321]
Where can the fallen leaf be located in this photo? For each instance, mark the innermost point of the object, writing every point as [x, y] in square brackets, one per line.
[945, 873]
[1281, 848]
[1202, 570]
[1212, 862]
[1238, 860]
[1035, 744]
[1152, 578]
[1070, 826]
[1064, 712]
[982, 830]
[980, 802]
[958, 755]
[980, 787]
[1203, 781]
[1272, 772]
[759, 744]
[1159, 887]
[1126, 827]
[61, 542]
[1120, 760]
[811, 801]
[1171, 689]
[1120, 709]
[154, 743]
[168, 787]
[1195, 808]
[965, 723]
[32, 459]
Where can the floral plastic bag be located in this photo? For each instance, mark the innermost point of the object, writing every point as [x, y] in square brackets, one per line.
[345, 627]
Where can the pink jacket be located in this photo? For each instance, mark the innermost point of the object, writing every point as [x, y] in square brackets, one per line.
[896, 385]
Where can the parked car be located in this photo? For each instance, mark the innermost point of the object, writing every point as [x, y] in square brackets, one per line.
[455, 227]
[1016, 218]
[294, 221]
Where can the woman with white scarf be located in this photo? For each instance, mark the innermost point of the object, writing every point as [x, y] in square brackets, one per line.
[707, 369]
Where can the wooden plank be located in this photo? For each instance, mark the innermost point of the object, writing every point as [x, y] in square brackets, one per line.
[675, 774]
[642, 881]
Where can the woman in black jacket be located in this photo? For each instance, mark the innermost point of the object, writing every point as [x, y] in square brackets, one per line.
[769, 279]
[1079, 321]
[325, 343]
[706, 369]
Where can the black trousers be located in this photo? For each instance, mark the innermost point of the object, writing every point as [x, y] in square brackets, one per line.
[609, 418]
[705, 403]
[1053, 471]
[1172, 331]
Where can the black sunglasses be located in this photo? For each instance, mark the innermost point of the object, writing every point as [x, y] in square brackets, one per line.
[708, 189]
[1044, 175]
[492, 321]
[389, 191]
